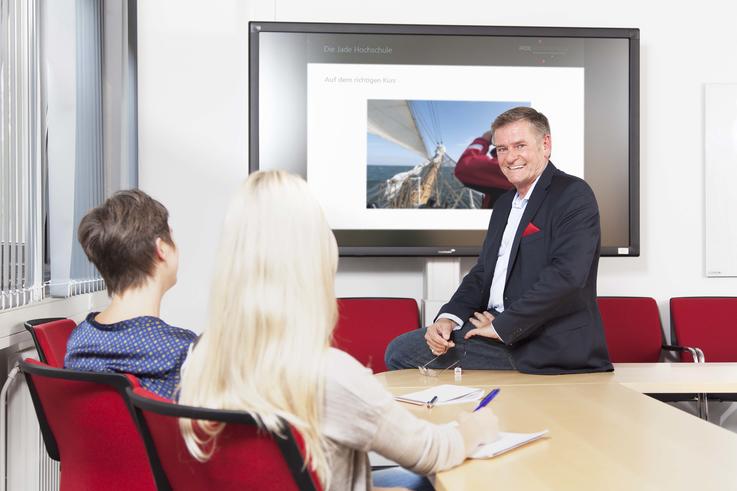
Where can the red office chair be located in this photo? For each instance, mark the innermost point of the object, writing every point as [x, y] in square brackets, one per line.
[632, 329]
[50, 337]
[634, 334]
[367, 325]
[245, 457]
[87, 425]
[707, 322]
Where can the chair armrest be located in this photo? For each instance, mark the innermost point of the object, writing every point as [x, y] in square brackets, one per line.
[696, 353]
[31, 323]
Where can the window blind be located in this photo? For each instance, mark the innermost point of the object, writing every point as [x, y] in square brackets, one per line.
[21, 255]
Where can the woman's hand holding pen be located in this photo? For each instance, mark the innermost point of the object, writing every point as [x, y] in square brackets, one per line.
[478, 427]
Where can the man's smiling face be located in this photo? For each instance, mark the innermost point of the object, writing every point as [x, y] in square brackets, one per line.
[522, 152]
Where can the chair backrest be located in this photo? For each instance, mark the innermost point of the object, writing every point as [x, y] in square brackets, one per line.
[367, 325]
[50, 337]
[709, 323]
[632, 327]
[245, 456]
[88, 425]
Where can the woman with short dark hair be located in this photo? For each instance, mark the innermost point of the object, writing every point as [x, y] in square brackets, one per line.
[129, 240]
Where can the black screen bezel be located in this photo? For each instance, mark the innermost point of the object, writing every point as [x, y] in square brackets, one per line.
[446, 242]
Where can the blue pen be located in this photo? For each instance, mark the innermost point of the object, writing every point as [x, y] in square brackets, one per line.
[486, 400]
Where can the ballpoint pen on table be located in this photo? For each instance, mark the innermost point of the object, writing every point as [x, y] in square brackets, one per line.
[431, 402]
[486, 400]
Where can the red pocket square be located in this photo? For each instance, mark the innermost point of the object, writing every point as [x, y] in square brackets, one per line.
[530, 229]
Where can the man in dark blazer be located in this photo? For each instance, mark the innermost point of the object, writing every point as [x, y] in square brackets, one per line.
[529, 303]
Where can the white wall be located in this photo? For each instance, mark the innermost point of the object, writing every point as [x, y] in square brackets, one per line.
[193, 79]
[193, 128]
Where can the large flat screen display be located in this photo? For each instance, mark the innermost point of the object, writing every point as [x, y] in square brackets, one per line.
[376, 118]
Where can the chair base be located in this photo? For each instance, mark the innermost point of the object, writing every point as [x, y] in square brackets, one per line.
[701, 400]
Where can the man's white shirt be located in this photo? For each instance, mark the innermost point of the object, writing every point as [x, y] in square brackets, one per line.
[499, 280]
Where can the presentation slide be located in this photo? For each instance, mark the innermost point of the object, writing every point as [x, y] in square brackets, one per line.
[383, 140]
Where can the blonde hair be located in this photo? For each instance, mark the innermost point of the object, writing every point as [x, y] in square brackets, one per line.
[272, 312]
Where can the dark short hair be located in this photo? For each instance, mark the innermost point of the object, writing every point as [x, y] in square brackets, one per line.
[119, 237]
[521, 113]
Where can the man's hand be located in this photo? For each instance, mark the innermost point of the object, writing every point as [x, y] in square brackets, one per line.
[438, 336]
[482, 326]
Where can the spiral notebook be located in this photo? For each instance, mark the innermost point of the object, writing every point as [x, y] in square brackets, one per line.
[446, 394]
[506, 442]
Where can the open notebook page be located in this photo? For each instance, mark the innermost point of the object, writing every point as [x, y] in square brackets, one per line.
[446, 394]
[505, 443]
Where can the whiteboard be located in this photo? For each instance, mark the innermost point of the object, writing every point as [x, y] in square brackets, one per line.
[720, 157]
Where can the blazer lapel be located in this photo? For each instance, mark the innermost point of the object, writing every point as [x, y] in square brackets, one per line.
[499, 218]
[537, 198]
[498, 221]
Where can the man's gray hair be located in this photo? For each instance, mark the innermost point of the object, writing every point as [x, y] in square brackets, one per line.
[521, 113]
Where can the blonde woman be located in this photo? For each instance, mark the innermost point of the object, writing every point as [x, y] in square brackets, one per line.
[267, 349]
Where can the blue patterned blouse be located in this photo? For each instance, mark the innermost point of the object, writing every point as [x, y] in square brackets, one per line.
[146, 347]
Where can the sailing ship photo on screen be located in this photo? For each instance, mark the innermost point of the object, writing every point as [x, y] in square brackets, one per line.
[413, 150]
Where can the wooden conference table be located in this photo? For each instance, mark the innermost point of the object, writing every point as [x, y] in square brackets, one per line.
[604, 433]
